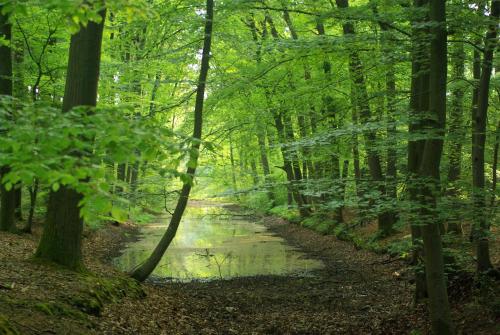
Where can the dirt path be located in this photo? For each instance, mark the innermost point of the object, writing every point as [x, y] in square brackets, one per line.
[356, 293]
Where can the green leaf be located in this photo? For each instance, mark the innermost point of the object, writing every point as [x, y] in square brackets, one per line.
[119, 214]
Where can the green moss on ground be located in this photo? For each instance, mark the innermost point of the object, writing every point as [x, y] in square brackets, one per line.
[100, 291]
[54, 308]
[6, 328]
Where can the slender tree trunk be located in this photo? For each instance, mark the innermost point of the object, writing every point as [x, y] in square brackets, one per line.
[233, 167]
[144, 270]
[154, 92]
[456, 133]
[476, 75]
[430, 174]
[33, 195]
[261, 129]
[345, 174]
[121, 177]
[255, 174]
[288, 165]
[387, 218]
[134, 181]
[261, 138]
[7, 196]
[391, 176]
[419, 104]
[61, 239]
[494, 167]
[478, 147]
[284, 127]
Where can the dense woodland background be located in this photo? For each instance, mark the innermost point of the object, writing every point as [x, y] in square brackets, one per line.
[377, 121]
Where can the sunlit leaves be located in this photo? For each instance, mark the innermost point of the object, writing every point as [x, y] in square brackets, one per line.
[70, 148]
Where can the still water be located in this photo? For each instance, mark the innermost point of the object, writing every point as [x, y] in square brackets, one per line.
[212, 243]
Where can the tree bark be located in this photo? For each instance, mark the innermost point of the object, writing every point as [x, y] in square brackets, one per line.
[284, 126]
[429, 173]
[145, 269]
[456, 133]
[387, 218]
[7, 196]
[478, 146]
[61, 238]
[419, 104]
[261, 138]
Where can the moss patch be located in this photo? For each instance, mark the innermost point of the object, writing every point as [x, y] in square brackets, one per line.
[6, 328]
[54, 308]
[100, 291]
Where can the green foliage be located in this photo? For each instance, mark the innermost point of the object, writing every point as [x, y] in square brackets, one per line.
[401, 248]
[72, 149]
[289, 214]
[6, 327]
[257, 201]
[320, 224]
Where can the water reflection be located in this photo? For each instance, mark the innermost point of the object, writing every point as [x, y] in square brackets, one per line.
[211, 244]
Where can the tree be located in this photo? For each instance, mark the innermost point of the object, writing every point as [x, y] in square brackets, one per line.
[387, 218]
[61, 239]
[478, 144]
[144, 270]
[8, 193]
[430, 174]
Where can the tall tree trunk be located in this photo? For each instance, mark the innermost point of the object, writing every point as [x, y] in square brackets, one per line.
[33, 191]
[478, 146]
[19, 93]
[419, 104]
[7, 196]
[61, 239]
[430, 174]
[476, 75]
[144, 270]
[261, 129]
[121, 176]
[387, 218]
[330, 112]
[233, 167]
[288, 165]
[284, 125]
[456, 133]
[134, 181]
[391, 176]
[261, 138]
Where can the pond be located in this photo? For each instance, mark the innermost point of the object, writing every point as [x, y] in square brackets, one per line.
[213, 243]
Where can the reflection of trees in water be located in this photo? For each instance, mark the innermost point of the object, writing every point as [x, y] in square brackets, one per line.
[211, 248]
[219, 262]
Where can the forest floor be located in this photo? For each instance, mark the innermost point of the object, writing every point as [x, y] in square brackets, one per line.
[358, 292]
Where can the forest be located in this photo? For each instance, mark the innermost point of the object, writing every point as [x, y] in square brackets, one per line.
[249, 167]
